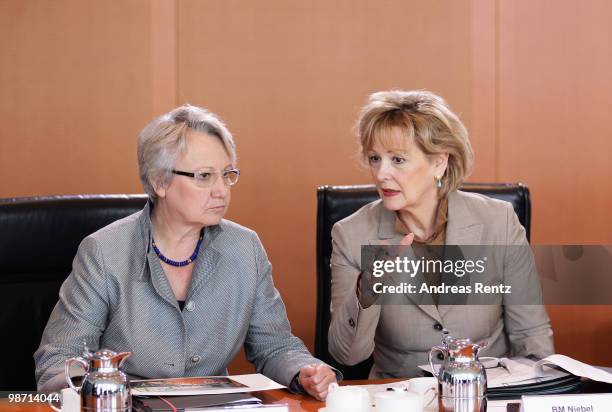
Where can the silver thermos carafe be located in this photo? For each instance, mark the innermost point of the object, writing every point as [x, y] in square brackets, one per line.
[462, 380]
[105, 388]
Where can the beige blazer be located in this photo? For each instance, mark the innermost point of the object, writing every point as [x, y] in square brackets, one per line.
[400, 336]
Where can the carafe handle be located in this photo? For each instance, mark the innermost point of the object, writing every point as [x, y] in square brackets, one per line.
[440, 349]
[121, 357]
[67, 364]
[478, 347]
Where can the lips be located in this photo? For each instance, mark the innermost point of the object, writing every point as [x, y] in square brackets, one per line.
[390, 192]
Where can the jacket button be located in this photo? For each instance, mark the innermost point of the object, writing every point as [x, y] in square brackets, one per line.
[440, 356]
[351, 323]
[190, 306]
[195, 359]
[438, 326]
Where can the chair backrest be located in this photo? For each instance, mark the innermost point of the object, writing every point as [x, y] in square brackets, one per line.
[337, 202]
[39, 237]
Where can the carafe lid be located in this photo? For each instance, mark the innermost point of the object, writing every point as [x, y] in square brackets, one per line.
[106, 359]
[462, 348]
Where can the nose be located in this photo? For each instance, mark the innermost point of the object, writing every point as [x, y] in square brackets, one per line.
[382, 171]
[219, 189]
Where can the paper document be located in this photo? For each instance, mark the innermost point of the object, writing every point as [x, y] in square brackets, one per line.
[208, 385]
[575, 367]
[519, 371]
[160, 404]
[523, 371]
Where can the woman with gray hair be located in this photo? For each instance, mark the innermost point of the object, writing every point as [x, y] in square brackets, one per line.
[418, 154]
[176, 284]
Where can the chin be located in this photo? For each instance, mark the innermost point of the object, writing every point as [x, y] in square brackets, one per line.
[215, 221]
[211, 220]
[392, 205]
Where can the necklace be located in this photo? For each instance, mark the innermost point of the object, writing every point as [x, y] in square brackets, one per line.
[171, 262]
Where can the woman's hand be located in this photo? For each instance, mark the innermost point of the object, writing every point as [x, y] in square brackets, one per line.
[364, 285]
[315, 379]
[407, 240]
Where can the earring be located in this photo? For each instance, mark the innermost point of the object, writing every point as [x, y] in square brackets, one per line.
[438, 181]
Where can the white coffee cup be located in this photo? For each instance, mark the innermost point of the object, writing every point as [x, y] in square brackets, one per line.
[398, 400]
[426, 387]
[69, 399]
[347, 399]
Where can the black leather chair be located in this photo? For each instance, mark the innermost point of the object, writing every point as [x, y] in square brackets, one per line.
[337, 202]
[39, 237]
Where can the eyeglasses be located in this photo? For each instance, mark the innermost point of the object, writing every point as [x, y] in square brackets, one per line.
[208, 178]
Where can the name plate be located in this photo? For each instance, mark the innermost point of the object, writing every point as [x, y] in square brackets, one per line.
[592, 402]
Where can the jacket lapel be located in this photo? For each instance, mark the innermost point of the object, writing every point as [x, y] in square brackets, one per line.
[388, 236]
[463, 228]
[143, 242]
[207, 261]
[148, 268]
[205, 264]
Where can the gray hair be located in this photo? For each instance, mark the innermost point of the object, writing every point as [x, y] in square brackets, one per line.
[164, 140]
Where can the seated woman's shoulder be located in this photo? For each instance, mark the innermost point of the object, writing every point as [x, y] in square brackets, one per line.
[130, 228]
[484, 204]
[239, 238]
[119, 231]
[236, 232]
[365, 217]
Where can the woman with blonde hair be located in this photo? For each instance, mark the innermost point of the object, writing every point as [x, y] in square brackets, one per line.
[418, 153]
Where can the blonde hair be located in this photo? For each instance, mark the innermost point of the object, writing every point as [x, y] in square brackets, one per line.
[163, 140]
[425, 117]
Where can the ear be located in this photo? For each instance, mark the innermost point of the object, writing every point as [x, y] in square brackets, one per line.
[440, 162]
[160, 190]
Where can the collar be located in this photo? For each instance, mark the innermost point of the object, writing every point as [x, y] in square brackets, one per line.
[144, 220]
[462, 225]
[439, 223]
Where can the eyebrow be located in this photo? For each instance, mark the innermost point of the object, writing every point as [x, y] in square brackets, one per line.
[230, 166]
[392, 151]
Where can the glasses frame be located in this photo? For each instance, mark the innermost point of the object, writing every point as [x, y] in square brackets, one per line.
[198, 176]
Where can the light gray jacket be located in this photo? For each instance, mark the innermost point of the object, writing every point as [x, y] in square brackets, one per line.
[118, 297]
[400, 336]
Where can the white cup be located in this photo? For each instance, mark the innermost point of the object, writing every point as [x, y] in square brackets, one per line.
[347, 399]
[398, 400]
[69, 399]
[426, 387]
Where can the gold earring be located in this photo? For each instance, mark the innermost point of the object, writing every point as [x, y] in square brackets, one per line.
[438, 181]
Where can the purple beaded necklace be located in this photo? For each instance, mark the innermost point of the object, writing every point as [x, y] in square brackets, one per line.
[171, 262]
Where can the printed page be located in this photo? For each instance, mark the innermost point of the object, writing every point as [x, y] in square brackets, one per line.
[203, 385]
[575, 367]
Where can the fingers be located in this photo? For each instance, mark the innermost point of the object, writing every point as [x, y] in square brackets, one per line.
[316, 379]
[322, 378]
[305, 374]
[308, 371]
[316, 375]
[407, 240]
[319, 391]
